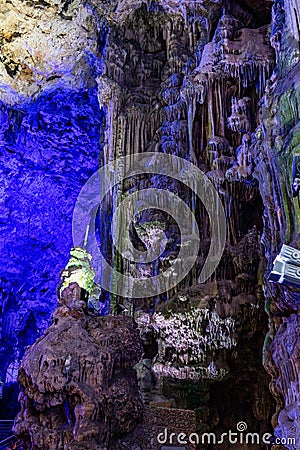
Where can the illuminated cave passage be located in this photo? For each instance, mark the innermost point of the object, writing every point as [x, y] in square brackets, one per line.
[83, 83]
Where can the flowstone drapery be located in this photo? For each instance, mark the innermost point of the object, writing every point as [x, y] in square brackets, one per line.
[189, 85]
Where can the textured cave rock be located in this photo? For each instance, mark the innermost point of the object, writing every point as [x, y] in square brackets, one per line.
[45, 45]
[48, 150]
[278, 144]
[190, 86]
[78, 386]
[49, 145]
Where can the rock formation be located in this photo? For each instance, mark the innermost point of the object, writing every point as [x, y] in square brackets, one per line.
[190, 87]
[78, 386]
[278, 149]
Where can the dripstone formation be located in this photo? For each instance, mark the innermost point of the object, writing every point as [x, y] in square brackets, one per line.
[185, 78]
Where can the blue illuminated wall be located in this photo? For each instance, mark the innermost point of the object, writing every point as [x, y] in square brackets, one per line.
[48, 149]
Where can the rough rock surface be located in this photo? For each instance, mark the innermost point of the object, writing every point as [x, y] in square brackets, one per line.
[50, 127]
[48, 149]
[278, 145]
[189, 85]
[45, 44]
[79, 388]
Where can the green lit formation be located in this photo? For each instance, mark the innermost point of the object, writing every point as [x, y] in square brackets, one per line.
[78, 270]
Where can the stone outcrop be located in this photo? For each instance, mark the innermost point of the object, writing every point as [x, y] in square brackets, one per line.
[45, 45]
[278, 147]
[78, 386]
